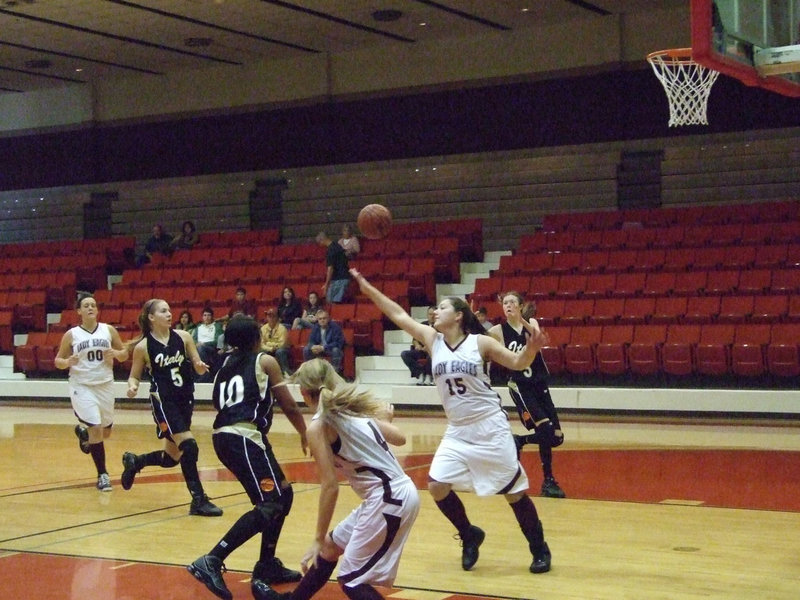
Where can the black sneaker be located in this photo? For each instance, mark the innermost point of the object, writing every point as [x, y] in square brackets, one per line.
[129, 470]
[541, 560]
[551, 489]
[262, 591]
[83, 438]
[203, 507]
[209, 569]
[470, 542]
[272, 571]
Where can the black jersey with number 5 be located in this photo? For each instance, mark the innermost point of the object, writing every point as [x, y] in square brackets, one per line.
[170, 368]
[241, 392]
[515, 341]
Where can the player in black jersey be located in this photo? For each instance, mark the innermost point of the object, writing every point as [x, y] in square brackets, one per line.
[529, 391]
[246, 388]
[171, 357]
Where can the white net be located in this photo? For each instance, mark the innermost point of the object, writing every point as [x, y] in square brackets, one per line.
[687, 84]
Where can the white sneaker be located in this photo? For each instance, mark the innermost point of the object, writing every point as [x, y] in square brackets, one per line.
[104, 482]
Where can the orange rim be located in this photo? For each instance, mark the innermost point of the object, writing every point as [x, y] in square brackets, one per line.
[678, 54]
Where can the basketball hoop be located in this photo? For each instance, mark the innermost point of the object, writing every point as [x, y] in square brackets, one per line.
[687, 83]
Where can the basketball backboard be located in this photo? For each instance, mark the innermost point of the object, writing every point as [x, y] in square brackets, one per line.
[755, 41]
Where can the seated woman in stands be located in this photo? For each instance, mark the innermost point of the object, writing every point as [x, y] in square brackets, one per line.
[187, 238]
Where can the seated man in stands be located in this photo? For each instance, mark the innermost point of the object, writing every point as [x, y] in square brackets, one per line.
[416, 358]
[159, 243]
[207, 336]
[326, 341]
[275, 340]
[241, 304]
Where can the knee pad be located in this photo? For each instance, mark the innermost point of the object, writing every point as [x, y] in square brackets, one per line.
[189, 449]
[287, 498]
[559, 439]
[363, 591]
[267, 513]
[546, 435]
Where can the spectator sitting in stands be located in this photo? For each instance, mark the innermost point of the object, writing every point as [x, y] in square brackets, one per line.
[188, 237]
[482, 319]
[326, 340]
[309, 313]
[275, 340]
[206, 337]
[290, 309]
[416, 358]
[349, 242]
[241, 304]
[186, 322]
[159, 243]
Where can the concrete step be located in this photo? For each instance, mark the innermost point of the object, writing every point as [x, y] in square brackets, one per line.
[7, 368]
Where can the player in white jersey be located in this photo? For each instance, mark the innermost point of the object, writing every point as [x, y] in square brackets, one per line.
[477, 452]
[350, 434]
[88, 351]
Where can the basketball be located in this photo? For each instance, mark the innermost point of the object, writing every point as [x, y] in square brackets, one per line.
[374, 221]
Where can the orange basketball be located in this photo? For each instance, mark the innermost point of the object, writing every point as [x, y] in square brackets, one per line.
[374, 221]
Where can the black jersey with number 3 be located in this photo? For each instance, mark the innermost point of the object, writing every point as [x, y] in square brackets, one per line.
[170, 368]
[241, 392]
[515, 341]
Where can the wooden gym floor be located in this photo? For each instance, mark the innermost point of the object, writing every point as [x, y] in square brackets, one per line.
[655, 510]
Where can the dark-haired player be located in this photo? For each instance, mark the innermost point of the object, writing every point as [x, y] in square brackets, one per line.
[529, 391]
[477, 450]
[88, 350]
[246, 388]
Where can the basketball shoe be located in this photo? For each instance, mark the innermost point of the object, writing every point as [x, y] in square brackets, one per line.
[209, 569]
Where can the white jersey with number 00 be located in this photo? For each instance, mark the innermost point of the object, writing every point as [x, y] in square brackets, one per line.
[91, 346]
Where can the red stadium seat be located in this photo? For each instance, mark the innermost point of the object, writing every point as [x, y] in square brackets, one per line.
[628, 284]
[644, 352]
[677, 352]
[553, 352]
[565, 262]
[783, 358]
[549, 311]
[611, 352]
[659, 283]
[770, 309]
[701, 309]
[749, 350]
[735, 309]
[579, 353]
[606, 311]
[600, 285]
[689, 283]
[713, 352]
[594, 261]
[571, 286]
[637, 310]
[576, 312]
[668, 310]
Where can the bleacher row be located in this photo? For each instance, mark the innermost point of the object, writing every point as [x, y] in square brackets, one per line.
[41, 277]
[209, 274]
[712, 349]
[716, 285]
